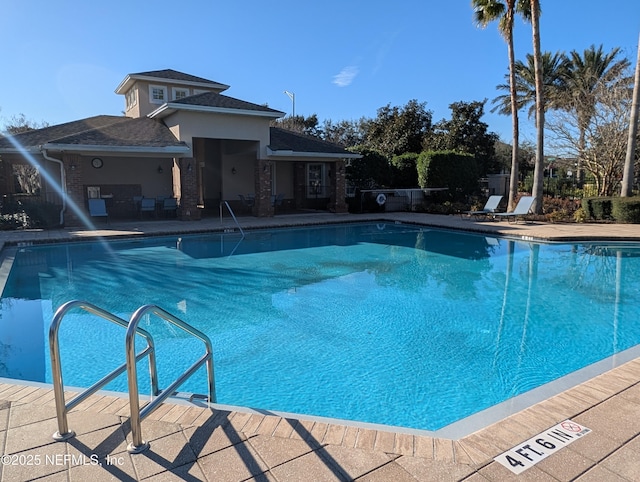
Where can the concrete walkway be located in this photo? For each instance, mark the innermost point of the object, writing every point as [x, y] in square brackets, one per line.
[190, 442]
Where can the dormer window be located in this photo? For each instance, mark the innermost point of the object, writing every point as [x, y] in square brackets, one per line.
[157, 94]
[180, 93]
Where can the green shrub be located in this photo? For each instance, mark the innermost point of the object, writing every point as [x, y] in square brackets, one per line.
[580, 215]
[456, 171]
[598, 208]
[31, 214]
[626, 210]
[404, 171]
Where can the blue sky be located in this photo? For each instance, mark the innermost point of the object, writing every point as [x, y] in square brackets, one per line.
[343, 59]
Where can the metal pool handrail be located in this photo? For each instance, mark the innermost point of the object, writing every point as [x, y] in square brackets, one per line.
[62, 407]
[137, 415]
[232, 215]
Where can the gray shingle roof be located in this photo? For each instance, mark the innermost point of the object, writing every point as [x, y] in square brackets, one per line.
[104, 130]
[211, 99]
[284, 140]
[171, 74]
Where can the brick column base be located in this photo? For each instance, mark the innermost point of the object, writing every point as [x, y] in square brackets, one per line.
[338, 198]
[263, 206]
[185, 170]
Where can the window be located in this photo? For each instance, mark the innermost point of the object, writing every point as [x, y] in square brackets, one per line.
[157, 94]
[315, 181]
[131, 98]
[179, 93]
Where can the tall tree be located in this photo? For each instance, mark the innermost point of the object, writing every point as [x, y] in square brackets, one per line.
[538, 170]
[300, 124]
[19, 124]
[485, 12]
[555, 68]
[588, 73]
[397, 130]
[466, 133]
[627, 179]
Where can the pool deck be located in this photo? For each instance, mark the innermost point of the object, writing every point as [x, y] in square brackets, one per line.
[190, 442]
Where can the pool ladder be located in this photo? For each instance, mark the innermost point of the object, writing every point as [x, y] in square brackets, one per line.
[157, 396]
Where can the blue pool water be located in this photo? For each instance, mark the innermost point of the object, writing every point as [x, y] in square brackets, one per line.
[381, 323]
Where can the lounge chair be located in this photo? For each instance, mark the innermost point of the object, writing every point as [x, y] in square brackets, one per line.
[522, 210]
[98, 208]
[170, 205]
[490, 207]
[148, 205]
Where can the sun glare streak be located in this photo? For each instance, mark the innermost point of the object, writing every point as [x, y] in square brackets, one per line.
[58, 188]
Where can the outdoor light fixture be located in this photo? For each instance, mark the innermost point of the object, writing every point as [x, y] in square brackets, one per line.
[292, 96]
[73, 167]
[189, 168]
[233, 170]
[160, 170]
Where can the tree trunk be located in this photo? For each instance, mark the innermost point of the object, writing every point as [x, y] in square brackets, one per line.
[513, 181]
[538, 172]
[629, 161]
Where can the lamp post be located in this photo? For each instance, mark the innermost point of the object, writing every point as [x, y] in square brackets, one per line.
[292, 96]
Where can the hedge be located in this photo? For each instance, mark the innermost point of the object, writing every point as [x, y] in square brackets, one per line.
[624, 210]
[454, 170]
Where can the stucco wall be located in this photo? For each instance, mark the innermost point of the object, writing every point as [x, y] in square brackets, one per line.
[187, 125]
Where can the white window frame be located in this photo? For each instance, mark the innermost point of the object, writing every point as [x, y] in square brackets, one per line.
[319, 191]
[162, 89]
[179, 90]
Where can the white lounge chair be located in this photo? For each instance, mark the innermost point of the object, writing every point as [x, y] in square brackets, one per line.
[98, 208]
[522, 210]
[490, 207]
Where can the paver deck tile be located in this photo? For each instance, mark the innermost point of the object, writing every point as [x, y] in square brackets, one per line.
[284, 428]
[354, 462]
[350, 437]
[389, 472]
[238, 462]
[434, 470]
[600, 474]
[404, 444]
[443, 450]
[334, 434]
[624, 462]
[268, 425]
[385, 442]
[276, 451]
[164, 454]
[366, 439]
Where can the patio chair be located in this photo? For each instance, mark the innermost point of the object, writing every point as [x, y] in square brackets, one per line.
[98, 208]
[277, 201]
[522, 210]
[490, 207]
[170, 205]
[248, 201]
[147, 205]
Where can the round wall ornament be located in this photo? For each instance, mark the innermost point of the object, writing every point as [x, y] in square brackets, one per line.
[96, 162]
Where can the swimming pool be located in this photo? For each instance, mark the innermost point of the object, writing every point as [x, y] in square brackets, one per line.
[381, 323]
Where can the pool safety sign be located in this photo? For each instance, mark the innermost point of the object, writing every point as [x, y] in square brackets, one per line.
[537, 448]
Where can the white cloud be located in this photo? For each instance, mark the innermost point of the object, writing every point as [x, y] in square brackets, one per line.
[346, 76]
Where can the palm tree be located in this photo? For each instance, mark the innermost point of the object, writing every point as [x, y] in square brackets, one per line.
[555, 68]
[486, 11]
[588, 73]
[538, 170]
